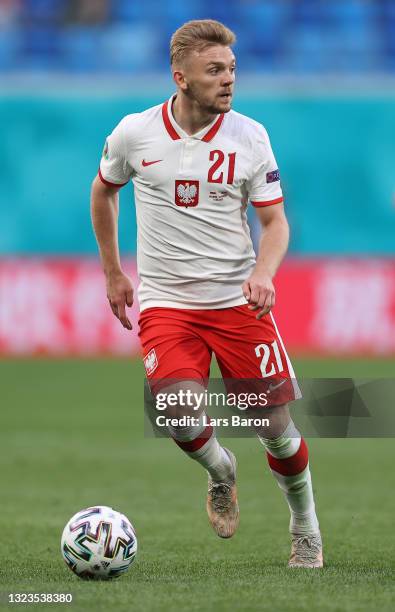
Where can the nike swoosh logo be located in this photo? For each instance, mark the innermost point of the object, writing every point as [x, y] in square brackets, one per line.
[145, 163]
[272, 387]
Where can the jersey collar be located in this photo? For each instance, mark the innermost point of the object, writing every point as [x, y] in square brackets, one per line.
[176, 132]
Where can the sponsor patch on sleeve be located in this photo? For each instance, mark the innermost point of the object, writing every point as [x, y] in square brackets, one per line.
[273, 176]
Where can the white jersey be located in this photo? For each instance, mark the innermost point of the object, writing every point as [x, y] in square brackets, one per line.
[194, 248]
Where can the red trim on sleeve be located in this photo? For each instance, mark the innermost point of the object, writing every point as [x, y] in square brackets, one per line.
[168, 125]
[214, 129]
[194, 445]
[268, 203]
[291, 465]
[103, 180]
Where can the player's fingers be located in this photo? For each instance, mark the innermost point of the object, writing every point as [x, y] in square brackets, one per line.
[254, 297]
[264, 296]
[122, 316]
[113, 307]
[122, 312]
[262, 313]
[259, 300]
[129, 298]
[246, 290]
[268, 305]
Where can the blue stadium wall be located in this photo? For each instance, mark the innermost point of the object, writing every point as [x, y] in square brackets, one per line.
[336, 156]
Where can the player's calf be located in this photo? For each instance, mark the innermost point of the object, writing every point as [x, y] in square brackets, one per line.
[199, 443]
[289, 462]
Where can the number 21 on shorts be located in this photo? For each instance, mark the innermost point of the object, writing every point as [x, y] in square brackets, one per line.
[263, 350]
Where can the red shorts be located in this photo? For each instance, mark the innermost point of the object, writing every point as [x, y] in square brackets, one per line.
[179, 343]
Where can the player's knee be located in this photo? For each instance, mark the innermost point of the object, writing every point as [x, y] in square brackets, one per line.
[182, 399]
[275, 420]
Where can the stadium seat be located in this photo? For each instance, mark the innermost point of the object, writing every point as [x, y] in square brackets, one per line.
[128, 47]
[80, 48]
[10, 46]
[126, 11]
[273, 35]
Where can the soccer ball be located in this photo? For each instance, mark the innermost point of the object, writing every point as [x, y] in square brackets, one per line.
[99, 543]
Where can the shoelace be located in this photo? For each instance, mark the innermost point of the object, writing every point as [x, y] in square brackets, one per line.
[220, 495]
[307, 547]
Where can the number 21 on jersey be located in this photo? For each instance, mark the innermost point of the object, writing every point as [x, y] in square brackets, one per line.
[220, 167]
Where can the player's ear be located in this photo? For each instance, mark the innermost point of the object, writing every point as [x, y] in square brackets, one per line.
[179, 78]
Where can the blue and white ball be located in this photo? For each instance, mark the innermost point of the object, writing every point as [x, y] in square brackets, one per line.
[99, 543]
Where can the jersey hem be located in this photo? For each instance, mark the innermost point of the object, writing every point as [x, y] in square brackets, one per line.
[187, 306]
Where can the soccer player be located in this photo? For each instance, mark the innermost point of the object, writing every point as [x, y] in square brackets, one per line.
[195, 165]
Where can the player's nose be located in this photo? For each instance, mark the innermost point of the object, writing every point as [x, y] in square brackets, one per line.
[229, 78]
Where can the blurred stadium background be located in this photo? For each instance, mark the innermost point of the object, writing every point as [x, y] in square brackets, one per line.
[321, 77]
[318, 75]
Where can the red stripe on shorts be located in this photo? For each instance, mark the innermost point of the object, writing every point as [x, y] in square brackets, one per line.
[193, 445]
[291, 465]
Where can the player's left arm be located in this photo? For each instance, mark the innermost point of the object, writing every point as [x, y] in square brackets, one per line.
[258, 287]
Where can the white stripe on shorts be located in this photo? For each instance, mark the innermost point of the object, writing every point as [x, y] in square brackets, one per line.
[297, 391]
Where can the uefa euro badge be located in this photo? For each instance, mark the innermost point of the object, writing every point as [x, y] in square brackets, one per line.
[187, 193]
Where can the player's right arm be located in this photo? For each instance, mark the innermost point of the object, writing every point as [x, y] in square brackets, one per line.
[104, 213]
[113, 174]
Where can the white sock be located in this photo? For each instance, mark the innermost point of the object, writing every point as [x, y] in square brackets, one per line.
[199, 443]
[288, 459]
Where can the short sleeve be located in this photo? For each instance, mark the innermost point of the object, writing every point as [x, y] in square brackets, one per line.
[264, 188]
[114, 169]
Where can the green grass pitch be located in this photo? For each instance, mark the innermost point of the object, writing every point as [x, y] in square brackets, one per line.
[72, 436]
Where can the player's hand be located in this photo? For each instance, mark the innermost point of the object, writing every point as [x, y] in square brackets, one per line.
[259, 291]
[120, 295]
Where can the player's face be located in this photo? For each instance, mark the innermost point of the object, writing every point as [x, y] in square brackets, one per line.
[209, 77]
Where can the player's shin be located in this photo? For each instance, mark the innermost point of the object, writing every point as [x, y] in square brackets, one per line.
[200, 443]
[289, 462]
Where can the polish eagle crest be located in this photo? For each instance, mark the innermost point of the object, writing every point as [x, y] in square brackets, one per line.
[186, 193]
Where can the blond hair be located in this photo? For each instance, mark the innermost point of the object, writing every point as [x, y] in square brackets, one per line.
[197, 35]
